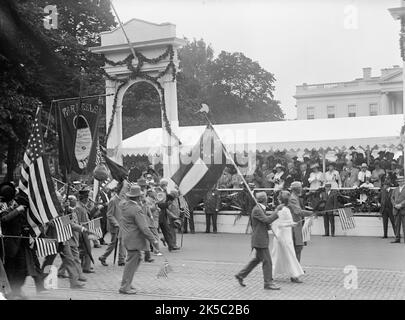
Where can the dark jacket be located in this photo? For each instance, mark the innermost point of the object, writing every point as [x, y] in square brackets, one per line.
[134, 228]
[298, 215]
[304, 178]
[385, 200]
[398, 198]
[212, 202]
[331, 200]
[260, 227]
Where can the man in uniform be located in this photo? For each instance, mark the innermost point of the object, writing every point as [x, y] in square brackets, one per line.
[212, 204]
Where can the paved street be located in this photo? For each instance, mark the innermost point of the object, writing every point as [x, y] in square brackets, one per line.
[204, 269]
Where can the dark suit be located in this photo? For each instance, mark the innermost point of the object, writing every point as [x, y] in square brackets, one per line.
[303, 177]
[260, 242]
[399, 214]
[212, 204]
[331, 202]
[298, 215]
[135, 233]
[386, 210]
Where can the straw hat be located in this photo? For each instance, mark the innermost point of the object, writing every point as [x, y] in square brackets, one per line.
[134, 191]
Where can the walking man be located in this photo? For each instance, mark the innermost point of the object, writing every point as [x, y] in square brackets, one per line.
[398, 203]
[113, 226]
[260, 242]
[135, 233]
[331, 203]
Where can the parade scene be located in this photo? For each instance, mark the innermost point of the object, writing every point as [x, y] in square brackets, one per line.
[202, 150]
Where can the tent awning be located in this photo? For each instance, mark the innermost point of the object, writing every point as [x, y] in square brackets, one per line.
[294, 135]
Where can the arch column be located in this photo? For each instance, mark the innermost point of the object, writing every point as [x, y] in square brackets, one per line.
[170, 145]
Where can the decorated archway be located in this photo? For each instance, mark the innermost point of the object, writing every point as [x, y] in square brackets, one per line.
[155, 62]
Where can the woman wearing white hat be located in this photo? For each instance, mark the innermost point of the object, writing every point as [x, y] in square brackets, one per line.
[364, 173]
[316, 178]
[279, 177]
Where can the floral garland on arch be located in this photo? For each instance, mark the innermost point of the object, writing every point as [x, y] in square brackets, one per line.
[137, 73]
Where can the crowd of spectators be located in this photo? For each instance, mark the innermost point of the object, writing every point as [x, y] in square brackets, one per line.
[351, 172]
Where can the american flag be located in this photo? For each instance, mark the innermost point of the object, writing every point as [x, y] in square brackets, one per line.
[36, 181]
[164, 270]
[45, 247]
[184, 205]
[94, 227]
[63, 228]
[306, 229]
[346, 218]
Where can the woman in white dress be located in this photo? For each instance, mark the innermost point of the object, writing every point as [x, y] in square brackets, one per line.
[283, 254]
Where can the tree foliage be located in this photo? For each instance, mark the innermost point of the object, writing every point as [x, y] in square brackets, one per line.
[236, 88]
[38, 65]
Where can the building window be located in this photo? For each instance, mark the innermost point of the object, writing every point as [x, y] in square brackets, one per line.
[373, 109]
[351, 110]
[310, 113]
[331, 112]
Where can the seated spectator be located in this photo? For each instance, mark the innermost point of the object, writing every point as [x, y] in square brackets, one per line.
[304, 175]
[291, 175]
[267, 176]
[316, 178]
[366, 184]
[349, 175]
[236, 180]
[332, 176]
[363, 174]
[279, 177]
[225, 181]
[377, 175]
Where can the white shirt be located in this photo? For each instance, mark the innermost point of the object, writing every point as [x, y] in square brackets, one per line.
[315, 180]
[333, 178]
[363, 175]
[262, 206]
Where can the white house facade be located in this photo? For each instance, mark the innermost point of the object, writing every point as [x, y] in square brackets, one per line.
[366, 96]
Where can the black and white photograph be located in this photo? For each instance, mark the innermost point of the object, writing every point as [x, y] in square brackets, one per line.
[203, 150]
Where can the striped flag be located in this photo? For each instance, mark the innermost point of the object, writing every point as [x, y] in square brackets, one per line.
[63, 228]
[306, 229]
[164, 270]
[205, 167]
[36, 181]
[346, 218]
[184, 205]
[45, 247]
[94, 226]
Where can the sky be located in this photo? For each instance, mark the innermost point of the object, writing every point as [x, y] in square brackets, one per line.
[312, 41]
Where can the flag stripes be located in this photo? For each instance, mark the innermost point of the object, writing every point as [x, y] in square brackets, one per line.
[63, 228]
[346, 218]
[94, 226]
[36, 181]
[204, 167]
[45, 247]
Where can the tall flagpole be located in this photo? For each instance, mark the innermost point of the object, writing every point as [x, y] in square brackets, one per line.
[123, 30]
[229, 156]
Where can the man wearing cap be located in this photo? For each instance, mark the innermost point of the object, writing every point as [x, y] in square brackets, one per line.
[329, 197]
[364, 173]
[212, 204]
[298, 215]
[135, 233]
[398, 203]
[260, 242]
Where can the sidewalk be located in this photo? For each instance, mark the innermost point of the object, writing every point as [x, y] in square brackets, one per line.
[205, 268]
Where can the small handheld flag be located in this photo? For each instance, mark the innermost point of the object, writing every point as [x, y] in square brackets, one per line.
[346, 218]
[45, 247]
[164, 270]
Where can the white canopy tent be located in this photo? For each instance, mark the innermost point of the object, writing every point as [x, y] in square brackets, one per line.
[297, 135]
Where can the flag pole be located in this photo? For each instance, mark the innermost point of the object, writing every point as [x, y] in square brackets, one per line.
[237, 169]
[123, 30]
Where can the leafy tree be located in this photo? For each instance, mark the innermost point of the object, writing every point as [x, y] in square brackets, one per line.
[38, 65]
